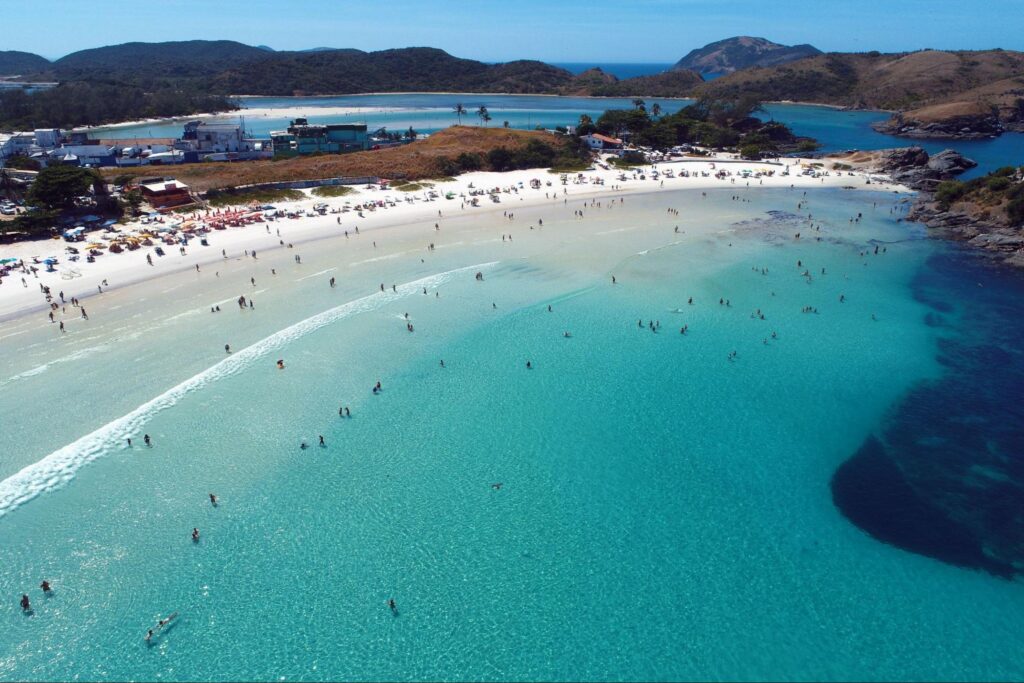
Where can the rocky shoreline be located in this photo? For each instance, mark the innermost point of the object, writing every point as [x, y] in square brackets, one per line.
[988, 232]
[994, 239]
[970, 127]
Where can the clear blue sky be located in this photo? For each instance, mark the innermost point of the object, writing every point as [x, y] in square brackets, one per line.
[492, 30]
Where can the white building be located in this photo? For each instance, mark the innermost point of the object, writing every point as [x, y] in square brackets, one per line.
[601, 142]
[84, 155]
[208, 138]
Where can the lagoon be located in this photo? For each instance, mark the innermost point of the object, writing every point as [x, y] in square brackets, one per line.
[835, 129]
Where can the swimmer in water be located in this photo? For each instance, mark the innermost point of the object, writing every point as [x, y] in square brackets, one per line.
[213, 500]
[303, 446]
[195, 539]
[280, 364]
[147, 440]
[529, 365]
[393, 606]
[322, 444]
[26, 606]
[227, 348]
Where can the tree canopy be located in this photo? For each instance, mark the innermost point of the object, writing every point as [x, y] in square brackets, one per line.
[57, 187]
[708, 122]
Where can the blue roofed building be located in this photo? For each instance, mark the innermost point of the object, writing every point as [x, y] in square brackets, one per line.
[301, 137]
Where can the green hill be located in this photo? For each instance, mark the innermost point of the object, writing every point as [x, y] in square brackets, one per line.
[407, 69]
[147, 63]
[14, 63]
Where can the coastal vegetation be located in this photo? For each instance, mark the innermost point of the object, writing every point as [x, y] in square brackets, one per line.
[709, 122]
[89, 104]
[445, 153]
[231, 196]
[1000, 195]
[412, 187]
[332, 191]
[63, 192]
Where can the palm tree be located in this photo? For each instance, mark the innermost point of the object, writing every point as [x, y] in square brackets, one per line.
[482, 112]
[459, 111]
[638, 103]
[656, 109]
[487, 119]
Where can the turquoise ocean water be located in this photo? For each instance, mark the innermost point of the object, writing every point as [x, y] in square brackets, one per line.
[663, 512]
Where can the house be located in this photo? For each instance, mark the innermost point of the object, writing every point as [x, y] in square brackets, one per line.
[164, 193]
[47, 137]
[207, 138]
[20, 143]
[83, 155]
[331, 138]
[596, 141]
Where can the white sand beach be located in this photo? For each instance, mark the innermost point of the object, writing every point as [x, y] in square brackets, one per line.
[392, 209]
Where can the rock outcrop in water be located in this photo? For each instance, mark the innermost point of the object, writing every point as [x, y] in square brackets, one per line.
[975, 122]
[915, 168]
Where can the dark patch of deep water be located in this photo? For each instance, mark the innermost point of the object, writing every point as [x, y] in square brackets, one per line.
[945, 478]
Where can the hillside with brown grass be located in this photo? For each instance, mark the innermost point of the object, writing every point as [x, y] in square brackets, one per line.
[428, 158]
[882, 81]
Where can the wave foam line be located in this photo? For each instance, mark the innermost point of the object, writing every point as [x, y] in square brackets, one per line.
[58, 468]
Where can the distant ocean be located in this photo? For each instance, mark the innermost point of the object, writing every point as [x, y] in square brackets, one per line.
[619, 69]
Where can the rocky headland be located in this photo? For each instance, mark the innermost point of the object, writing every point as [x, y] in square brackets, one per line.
[987, 213]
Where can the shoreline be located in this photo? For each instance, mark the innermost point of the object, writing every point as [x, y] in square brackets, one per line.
[130, 267]
[288, 111]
